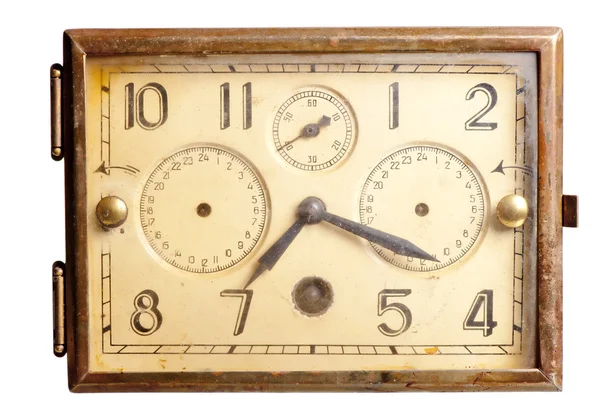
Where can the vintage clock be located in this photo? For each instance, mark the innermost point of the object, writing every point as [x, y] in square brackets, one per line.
[311, 209]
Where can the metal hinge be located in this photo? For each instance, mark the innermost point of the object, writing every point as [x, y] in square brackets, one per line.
[58, 305]
[570, 211]
[56, 128]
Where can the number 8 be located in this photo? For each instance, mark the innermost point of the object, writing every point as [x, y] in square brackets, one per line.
[145, 304]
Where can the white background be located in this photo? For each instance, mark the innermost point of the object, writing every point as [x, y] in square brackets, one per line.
[31, 184]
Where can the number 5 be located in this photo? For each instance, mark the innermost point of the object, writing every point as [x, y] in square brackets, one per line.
[384, 306]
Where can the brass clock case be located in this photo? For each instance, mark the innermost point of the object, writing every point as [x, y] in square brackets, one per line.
[78, 316]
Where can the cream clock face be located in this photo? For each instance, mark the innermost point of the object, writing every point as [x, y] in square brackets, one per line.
[311, 213]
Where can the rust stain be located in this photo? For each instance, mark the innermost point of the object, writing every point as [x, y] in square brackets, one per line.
[334, 41]
[479, 377]
[431, 351]
[99, 361]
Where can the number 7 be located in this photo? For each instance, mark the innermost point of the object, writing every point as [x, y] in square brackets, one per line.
[246, 299]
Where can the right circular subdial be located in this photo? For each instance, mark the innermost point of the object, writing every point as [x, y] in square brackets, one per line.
[428, 195]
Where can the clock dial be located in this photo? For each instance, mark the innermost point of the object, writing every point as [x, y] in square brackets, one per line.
[403, 193]
[303, 213]
[313, 130]
[193, 225]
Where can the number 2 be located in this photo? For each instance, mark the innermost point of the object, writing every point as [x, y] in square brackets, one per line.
[492, 97]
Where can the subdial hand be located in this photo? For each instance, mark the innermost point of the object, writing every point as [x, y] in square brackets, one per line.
[386, 240]
[310, 130]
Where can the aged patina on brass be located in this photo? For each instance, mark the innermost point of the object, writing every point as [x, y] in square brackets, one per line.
[111, 211]
[545, 42]
[512, 210]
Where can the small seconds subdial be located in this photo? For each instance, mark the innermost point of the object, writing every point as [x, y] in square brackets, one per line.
[430, 195]
[203, 209]
[313, 130]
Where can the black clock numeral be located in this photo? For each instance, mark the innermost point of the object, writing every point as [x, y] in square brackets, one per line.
[384, 305]
[247, 105]
[246, 299]
[393, 101]
[135, 106]
[492, 97]
[484, 304]
[226, 106]
[146, 319]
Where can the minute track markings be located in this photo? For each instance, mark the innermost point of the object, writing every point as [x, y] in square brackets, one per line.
[188, 168]
[376, 210]
[318, 149]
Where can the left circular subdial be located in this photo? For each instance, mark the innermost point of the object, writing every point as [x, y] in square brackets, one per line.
[203, 209]
[313, 130]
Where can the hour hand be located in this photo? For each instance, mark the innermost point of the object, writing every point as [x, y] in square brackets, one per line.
[270, 258]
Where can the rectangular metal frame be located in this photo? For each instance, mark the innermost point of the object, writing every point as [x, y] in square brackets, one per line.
[546, 42]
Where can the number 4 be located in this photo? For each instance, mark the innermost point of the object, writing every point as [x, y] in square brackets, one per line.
[484, 302]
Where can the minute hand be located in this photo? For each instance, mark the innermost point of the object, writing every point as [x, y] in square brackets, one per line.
[389, 241]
